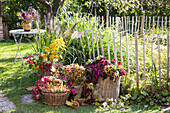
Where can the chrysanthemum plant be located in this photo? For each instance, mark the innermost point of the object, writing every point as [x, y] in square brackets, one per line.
[74, 73]
[100, 67]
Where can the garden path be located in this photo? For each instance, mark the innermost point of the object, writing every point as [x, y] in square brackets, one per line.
[5, 104]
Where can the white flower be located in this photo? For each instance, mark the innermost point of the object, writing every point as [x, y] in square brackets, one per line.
[53, 69]
[104, 104]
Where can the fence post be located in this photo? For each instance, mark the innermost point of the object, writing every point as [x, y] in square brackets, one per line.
[114, 44]
[168, 46]
[127, 44]
[144, 61]
[159, 53]
[121, 55]
[93, 46]
[97, 44]
[88, 45]
[108, 47]
[136, 57]
[101, 42]
[107, 18]
[142, 24]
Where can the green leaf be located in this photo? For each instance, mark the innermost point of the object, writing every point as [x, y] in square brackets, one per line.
[144, 93]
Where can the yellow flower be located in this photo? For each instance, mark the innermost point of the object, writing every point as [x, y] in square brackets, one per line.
[57, 56]
[51, 57]
[44, 56]
[53, 52]
[47, 49]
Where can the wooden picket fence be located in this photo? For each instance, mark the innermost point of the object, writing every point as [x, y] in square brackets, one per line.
[125, 26]
[99, 39]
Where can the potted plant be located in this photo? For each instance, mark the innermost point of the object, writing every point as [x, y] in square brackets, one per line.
[28, 17]
[52, 90]
[75, 75]
[105, 78]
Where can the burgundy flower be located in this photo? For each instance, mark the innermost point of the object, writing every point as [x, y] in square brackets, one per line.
[122, 72]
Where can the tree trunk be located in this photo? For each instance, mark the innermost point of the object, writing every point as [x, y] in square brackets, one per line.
[56, 5]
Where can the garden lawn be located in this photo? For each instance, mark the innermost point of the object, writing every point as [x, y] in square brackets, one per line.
[14, 78]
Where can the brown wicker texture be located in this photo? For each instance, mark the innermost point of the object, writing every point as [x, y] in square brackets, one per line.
[108, 88]
[54, 98]
[78, 90]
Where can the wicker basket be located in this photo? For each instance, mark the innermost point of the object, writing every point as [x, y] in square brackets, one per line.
[54, 98]
[107, 88]
[78, 90]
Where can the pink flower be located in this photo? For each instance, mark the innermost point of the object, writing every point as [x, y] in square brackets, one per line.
[114, 60]
[72, 90]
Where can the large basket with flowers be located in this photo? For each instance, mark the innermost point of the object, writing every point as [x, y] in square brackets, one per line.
[76, 77]
[105, 78]
[52, 91]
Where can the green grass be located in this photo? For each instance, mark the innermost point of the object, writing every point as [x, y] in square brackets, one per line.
[11, 75]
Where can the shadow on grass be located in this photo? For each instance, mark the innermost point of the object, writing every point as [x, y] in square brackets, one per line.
[7, 60]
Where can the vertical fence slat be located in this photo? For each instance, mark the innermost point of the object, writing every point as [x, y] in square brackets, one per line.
[159, 53]
[153, 24]
[110, 21]
[149, 23]
[101, 42]
[157, 23]
[136, 24]
[121, 54]
[97, 44]
[93, 46]
[152, 49]
[83, 49]
[165, 23]
[144, 61]
[139, 23]
[108, 47]
[162, 22]
[125, 24]
[102, 21]
[146, 23]
[127, 45]
[136, 57]
[132, 23]
[113, 22]
[114, 44]
[168, 46]
[88, 45]
[129, 23]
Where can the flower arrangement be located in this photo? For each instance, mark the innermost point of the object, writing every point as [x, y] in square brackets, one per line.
[27, 16]
[100, 67]
[48, 84]
[40, 67]
[74, 73]
[54, 52]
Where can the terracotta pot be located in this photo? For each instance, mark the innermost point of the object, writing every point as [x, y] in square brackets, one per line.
[26, 26]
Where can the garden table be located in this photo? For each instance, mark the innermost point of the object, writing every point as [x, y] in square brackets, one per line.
[21, 32]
